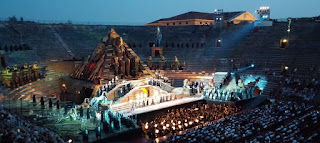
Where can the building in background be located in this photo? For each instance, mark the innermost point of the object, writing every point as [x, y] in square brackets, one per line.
[201, 18]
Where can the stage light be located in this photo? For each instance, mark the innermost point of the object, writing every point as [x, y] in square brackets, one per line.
[146, 126]
[190, 122]
[98, 116]
[174, 128]
[167, 125]
[283, 43]
[186, 124]
[252, 65]
[164, 127]
[70, 141]
[286, 67]
[179, 126]
[196, 120]
[179, 122]
[218, 43]
[156, 131]
[156, 125]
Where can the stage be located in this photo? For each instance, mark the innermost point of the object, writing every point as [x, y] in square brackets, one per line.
[163, 105]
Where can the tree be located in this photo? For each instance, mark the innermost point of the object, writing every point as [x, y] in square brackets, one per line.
[12, 19]
[69, 22]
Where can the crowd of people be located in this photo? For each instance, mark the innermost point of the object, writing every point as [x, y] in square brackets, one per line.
[229, 95]
[180, 119]
[299, 87]
[108, 121]
[15, 129]
[19, 76]
[104, 89]
[276, 121]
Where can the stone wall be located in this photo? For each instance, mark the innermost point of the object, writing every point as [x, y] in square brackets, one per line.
[192, 44]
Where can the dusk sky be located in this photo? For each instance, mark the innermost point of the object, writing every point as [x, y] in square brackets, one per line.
[139, 12]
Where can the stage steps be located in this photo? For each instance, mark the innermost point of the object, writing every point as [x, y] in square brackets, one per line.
[47, 86]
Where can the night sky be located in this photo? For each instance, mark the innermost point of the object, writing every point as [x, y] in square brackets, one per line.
[139, 12]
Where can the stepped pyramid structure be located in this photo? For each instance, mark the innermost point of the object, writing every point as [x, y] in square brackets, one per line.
[112, 57]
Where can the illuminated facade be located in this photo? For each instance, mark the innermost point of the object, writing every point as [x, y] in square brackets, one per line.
[200, 18]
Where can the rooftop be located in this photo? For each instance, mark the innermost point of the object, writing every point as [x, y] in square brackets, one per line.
[200, 15]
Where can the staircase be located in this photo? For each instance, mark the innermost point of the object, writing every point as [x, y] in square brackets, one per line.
[47, 87]
[271, 85]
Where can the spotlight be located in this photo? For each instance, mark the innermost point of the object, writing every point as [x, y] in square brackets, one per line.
[218, 43]
[286, 68]
[283, 43]
[156, 131]
[252, 65]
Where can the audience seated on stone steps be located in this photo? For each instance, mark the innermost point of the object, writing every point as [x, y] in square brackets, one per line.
[293, 86]
[14, 128]
[277, 121]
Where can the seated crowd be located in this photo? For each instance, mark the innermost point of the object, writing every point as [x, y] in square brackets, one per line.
[277, 121]
[14, 128]
[179, 119]
[291, 86]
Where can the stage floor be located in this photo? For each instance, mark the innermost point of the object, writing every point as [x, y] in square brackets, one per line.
[163, 105]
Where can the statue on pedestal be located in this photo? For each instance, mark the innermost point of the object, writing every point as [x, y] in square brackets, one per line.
[116, 65]
[150, 64]
[127, 66]
[158, 37]
[162, 63]
[175, 64]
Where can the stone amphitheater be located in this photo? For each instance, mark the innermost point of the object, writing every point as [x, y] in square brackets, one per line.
[60, 48]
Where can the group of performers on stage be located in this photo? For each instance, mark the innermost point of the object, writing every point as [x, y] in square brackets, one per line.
[220, 93]
[229, 94]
